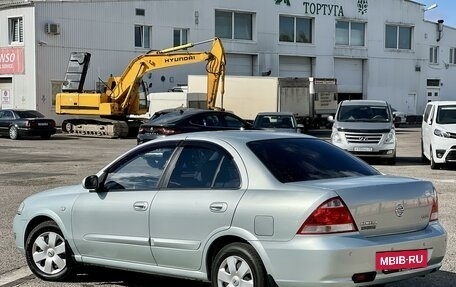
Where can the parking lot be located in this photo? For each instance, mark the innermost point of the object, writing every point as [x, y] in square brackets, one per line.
[29, 166]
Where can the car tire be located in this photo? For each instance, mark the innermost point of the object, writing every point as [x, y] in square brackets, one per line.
[238, 255]
[13, 133]
[434, 165]
[47, 253]
[392, 161]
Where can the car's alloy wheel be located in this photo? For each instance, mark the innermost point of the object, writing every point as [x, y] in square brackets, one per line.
[13, 133]
[47, 252]
[238, 265]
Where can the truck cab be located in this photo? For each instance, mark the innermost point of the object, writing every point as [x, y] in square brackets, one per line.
[365, 128]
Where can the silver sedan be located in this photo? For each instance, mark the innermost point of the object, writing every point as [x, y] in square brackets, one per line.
[238, 208]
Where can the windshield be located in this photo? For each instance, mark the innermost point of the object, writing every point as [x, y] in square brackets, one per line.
[446, 115]
[274, 122]
[358, 113]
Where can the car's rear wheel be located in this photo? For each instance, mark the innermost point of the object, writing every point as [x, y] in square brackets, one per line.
[47, 253]
[238, 264]
[13, 133]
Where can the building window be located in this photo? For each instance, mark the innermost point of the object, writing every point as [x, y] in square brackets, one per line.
[142, 36]
[180, 37]
[233, 25]
[433, 55]
[398, 37]
[56, 87]
[16, 30]
[140, 12]
[350, 33]
[294, 29]
[453, 56]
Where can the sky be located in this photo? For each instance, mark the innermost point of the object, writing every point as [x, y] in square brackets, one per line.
[445, 10]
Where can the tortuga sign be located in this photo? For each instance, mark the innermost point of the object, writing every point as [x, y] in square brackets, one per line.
[327, 9]
[12, 60]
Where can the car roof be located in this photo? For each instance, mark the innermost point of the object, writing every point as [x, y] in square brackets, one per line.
[275, 114]
[442, 103]
[233, 136]
[364, 102]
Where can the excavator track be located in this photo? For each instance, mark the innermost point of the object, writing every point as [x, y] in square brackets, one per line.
[95, 128]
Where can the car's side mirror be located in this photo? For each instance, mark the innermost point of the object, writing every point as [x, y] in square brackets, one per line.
[331, 119]
[91, 182]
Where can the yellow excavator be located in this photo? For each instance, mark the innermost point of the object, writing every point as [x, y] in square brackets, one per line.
[121, 96]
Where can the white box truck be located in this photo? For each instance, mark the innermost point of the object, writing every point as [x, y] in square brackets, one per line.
[311, 99]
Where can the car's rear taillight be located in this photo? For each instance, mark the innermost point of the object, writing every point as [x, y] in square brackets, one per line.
[52, 124]
[435, 208]
[330, 217]
[166, 131]
[143, 129]
[30, 124]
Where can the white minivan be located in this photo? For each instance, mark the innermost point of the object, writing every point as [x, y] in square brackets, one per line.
[438, 133]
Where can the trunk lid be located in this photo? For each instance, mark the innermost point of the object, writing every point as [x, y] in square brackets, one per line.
[382, 205]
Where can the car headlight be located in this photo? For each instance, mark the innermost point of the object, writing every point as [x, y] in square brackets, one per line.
[20, 208]
[335, 137]
[391, 137]
[442, 133]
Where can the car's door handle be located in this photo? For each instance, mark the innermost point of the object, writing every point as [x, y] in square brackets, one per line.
[140, 205]
[218, 207]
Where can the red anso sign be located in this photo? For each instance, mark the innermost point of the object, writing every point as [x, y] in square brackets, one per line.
[394, 260]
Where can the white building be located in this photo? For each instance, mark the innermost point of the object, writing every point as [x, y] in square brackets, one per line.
[376, 49]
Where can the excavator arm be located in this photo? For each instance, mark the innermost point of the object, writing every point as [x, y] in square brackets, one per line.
[121, 96]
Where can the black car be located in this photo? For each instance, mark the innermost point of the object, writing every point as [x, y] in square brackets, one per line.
[17, 123]
[184, 120]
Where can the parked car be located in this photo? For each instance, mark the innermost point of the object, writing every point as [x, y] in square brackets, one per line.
[184, 120]
[17, 123]
[365, 128]
[237, 208]
[438, 133]
[277, 121]
[399, 118]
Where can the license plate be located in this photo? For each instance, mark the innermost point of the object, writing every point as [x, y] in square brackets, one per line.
[42, 124]
[357, 148]
[396, 260]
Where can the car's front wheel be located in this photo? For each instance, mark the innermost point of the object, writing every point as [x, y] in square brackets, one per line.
[434, 165]
[238, 264]
[47, 253]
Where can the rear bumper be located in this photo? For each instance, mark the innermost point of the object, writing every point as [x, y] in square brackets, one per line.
[36, 132]
[333, 260]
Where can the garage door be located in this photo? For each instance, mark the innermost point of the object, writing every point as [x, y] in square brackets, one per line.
[239, 65]
[349, 75]
[290, 66]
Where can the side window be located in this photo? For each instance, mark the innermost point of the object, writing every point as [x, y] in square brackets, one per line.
[6, 115]
[204, 167]
[211, 121]
[430, 120]
[140, 172]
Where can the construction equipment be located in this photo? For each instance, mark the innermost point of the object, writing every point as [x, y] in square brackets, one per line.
[121, 97]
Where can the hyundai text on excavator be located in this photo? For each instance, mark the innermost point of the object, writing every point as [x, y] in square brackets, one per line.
[121, 97]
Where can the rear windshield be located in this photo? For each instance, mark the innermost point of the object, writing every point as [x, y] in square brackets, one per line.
[274, 121]
[166, 118]
[291, 160]
[446, 115]
[362, 113]
[29, 114]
